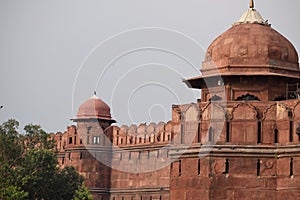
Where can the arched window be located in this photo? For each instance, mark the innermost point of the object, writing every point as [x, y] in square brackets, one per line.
[247, 97]
[70, 140]
[215, 98]
[96, 139]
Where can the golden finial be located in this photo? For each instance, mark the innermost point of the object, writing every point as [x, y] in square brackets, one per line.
[251, 4]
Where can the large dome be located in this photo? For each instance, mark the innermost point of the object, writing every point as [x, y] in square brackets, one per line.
[94, 108]
[251, 45]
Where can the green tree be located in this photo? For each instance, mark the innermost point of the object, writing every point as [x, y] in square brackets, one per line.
[10, 142]
[82, 193]
[73, 184]
[37, 138]
[38, 174]
[29, 167]
[10, 159]
[13, 193]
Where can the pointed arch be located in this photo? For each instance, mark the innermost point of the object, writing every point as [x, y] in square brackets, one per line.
[213, 121]
[190, 126]
[244, 111]
[244, 124]
[276, 116]
[192, 113]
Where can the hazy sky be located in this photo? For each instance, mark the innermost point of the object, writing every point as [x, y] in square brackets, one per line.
[55, 53]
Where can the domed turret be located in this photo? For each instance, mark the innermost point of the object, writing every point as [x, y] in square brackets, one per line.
[250, 60]
[251, 47]
[95, 137]
[94, 108]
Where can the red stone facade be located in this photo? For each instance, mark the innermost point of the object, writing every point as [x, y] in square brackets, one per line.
[255, 153]
[119, 163]
[240, 141]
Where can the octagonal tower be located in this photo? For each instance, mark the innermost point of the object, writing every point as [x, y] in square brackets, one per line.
[247, 123]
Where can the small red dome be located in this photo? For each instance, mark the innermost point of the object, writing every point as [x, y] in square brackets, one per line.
[94, 108]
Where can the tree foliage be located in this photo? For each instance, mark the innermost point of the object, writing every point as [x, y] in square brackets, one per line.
[10, 142]
[29, 167]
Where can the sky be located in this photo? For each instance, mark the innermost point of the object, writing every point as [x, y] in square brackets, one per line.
[134, 53]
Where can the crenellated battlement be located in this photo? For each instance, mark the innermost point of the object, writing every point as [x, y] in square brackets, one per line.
[205, 122]
[143, 134]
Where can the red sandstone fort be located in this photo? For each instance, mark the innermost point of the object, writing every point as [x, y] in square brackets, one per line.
[240, 141]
